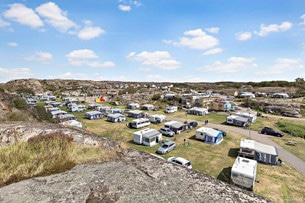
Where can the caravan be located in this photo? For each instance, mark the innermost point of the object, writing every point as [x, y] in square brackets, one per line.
[209, 135]
[243, 172]
[139, 123]
[157, 118]
[147, 137]
[171, 109]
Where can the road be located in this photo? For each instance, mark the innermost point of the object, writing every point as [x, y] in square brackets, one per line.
[286, 156]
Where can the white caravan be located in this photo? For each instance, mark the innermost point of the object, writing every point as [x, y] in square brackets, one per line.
[139, 123]
[148, 137]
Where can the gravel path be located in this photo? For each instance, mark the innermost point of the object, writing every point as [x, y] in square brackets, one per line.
[286, 156]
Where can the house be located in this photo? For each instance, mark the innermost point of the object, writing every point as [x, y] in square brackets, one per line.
[260, 152]
[147, 137]
[116, 117]
[136, 114]
[133, 106]
[171, 109]
[156, 118]
[197, 111]
[176, 126]
[93, 115]
[147, 107]
[209, 135]
[237, 121]
[139, 123]
[243, 172]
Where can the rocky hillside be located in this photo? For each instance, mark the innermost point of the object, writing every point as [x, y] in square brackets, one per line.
[132, 176]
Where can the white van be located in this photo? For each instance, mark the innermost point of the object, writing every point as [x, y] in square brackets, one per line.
[171, 109]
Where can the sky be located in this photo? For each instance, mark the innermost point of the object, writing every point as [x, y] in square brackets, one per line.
[153, 40]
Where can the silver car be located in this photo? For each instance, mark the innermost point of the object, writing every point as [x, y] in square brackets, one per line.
[166, 147]
[167, 132]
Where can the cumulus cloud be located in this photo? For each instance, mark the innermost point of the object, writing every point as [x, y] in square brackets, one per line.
[23, 15]
[266, 29]
[7, 74]
[213, 51]
[86, 57]
[12, 44]
[213, 30]
[282, 66]
[124, 7]
[4, 23]
[233, 65]
[43, 57]
[90, 32]
[55, 16]
[196, 39]
[159, 59]
[243, 36]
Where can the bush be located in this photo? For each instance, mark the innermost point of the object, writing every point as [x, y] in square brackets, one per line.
[291, 128]
[20, 104]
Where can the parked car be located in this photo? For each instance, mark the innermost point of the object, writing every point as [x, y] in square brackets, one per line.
[223, 132]
[180, 161]
[166, 147]
[271, 131]
[192, 124]
[167, 132]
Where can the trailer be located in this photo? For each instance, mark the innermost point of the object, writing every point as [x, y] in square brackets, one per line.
[171, 109]
[139, 123]
[243, 173]
[148, 137]
[237, 121]
[93, 115]
[209, 135]
[157, 118]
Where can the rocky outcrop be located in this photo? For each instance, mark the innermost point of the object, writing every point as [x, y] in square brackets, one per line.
[11, 132]
[134, 177]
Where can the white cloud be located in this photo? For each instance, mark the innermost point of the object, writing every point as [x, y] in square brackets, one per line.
[233, 65]
[213, 30]
[265, 30]
[7, 74]
[159, 59]
[213, 51]
[55, 16]
[124, 7]
[282, 66]
[4, 23]
[12, 44]
[90, 32]
[196, 39]
[84, 57]
[243, 36]
[43, 57]
[302, 17]
[23, 15]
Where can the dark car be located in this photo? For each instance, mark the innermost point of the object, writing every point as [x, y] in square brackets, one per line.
[192, 124]
[271, 131]
[223, 132]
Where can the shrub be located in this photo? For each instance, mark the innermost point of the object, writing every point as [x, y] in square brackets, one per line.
[292, 128]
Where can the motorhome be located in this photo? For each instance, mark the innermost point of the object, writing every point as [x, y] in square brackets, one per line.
[209, 135]
[148, 137]
[157, 118]
[243, 172]
[139, 123]
[171, 109]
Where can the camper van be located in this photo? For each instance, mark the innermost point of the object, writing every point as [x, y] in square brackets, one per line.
[243, 172]
[171, 109]
[139, 123]
[209, 135]
[147, 137]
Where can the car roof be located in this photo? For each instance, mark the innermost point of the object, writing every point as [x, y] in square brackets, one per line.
[182, 160]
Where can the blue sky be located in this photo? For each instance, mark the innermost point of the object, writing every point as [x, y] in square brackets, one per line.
[153, 40]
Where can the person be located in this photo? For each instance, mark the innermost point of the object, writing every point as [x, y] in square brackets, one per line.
[280, 161]
[184, 141]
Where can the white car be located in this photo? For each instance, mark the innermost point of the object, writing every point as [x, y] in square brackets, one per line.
[180, 161]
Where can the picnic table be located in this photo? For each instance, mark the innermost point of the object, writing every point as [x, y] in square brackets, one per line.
[292, 142]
